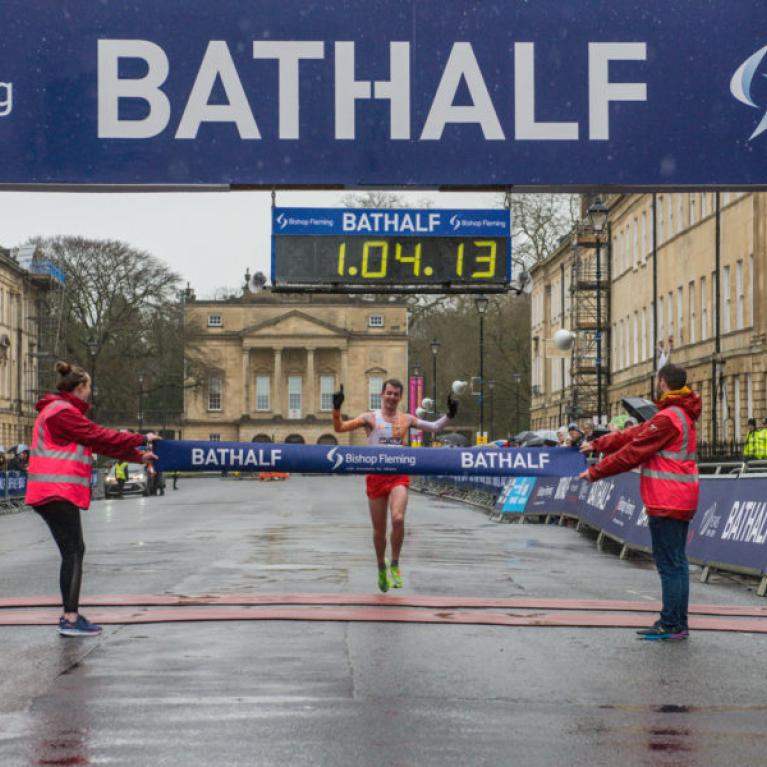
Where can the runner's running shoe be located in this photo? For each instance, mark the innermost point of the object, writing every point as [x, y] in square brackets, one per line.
[396, 577]
[384, 581]
[665, 633]
[82, 627]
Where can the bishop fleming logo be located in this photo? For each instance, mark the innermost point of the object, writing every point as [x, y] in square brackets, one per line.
[282, 221]
[742, 87]
[454, 222]
[334, 457]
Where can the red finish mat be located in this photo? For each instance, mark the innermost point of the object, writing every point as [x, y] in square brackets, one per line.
[380, 600]
[571, 619]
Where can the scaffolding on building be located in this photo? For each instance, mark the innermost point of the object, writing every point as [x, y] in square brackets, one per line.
[590, 321]
[48, 314]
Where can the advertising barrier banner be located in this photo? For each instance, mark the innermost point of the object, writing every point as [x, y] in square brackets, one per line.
[730, 527]
[383, 92]
[13, 483]
[485, 462]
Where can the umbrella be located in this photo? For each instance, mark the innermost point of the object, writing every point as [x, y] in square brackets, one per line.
[522, 436]
[639, 408]
[453, 439]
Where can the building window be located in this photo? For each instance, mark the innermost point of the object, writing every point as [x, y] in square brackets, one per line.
[660, 214]
[726, 295]
[645, 248]
[703, 310]
[263, 391]
[327, 386]
[215, 321]
[670, 216]
[693, 318]
[215, 392]
[751, 277]
[680, 314]
[214, 438]
[644, 333]
[736, 407]
[692, 209]
[661, 321]
[740, 296]
[375, 384]
[295, 386]
[749, 396]
[670, 314]
[725, 415]
[635, 245]
[375, 321]
[680, 217]
[703, 205]
[636, 338]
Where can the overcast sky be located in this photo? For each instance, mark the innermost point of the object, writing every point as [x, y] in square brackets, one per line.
[208, 238]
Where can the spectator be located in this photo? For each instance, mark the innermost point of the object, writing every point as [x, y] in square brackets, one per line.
[755, 448]
[121, 475]
[576, 435]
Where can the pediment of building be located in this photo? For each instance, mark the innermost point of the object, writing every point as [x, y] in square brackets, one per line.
[294, 323]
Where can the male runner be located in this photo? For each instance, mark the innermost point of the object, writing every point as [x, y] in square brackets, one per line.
[387, 426]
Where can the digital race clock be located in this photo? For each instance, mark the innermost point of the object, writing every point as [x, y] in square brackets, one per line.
[390, 250]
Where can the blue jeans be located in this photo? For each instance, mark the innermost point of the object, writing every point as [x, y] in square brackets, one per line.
[669, 539]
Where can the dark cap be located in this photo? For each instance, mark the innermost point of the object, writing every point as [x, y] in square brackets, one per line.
[575, 427]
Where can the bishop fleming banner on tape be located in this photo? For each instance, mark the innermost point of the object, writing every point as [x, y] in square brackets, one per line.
[339, 459]
[469, 93]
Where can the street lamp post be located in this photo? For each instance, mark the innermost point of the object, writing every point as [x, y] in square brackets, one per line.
[93, 349]
[413, 390]
[598, 217]
[481, 303]
[491, 386]
[434, 353]
[141, 401]
[516, 379]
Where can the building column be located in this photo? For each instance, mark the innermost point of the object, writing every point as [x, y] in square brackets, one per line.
[277, 383]
[246, 381]
[311, 404]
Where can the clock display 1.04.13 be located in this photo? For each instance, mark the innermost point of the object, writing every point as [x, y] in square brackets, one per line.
[390, 260]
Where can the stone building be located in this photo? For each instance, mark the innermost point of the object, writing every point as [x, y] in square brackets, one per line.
[23, 278]
[263, 367]
[724, 355]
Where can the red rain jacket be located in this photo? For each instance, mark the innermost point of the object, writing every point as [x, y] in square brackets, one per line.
[67, 427]
[639, 446]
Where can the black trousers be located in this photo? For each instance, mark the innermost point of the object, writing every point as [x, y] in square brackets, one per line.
[63, 519]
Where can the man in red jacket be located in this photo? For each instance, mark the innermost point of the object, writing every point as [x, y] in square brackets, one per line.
[665, 450]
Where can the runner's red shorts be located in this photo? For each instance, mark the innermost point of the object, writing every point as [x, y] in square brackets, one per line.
[380, 485]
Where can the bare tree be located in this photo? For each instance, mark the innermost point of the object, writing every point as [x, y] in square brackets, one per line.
[116, 297]
[539, 221]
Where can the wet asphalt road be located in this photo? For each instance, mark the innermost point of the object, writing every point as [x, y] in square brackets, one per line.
[337, 694]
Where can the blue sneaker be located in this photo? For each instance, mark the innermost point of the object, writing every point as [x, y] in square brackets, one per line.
[664, 633]
[82, 627]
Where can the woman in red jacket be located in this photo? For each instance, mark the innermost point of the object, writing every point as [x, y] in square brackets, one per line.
[59, 479]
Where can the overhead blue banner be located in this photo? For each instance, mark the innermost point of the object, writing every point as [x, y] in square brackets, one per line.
[340, 459]
[383, 92]
[403, 222]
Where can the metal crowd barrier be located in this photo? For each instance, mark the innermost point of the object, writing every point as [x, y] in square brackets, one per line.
[728, 533]
[13, 487]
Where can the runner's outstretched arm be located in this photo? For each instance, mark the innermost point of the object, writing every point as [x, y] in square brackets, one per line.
[339, 425]
[438, 425]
